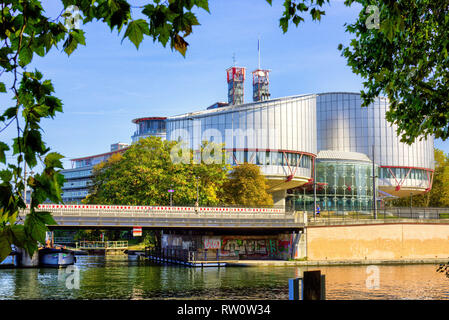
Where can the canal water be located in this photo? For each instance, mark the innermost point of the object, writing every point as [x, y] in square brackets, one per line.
[114, 277]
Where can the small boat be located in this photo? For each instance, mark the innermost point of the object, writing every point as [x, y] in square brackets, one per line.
[11, 261]
[56, 257]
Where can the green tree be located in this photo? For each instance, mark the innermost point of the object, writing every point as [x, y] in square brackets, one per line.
[406, 58]
[146, 171]
[247, 187]
[25, 31]
[438, 196]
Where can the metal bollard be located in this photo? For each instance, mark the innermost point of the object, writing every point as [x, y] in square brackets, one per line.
[311, 287]
[295, 289]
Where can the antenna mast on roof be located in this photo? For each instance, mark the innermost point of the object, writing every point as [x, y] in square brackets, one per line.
[235, 78]
[260, 80]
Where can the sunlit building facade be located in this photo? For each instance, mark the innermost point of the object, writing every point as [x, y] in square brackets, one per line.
[291, 136]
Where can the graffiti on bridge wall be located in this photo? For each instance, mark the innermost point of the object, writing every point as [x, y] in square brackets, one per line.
[262, 247]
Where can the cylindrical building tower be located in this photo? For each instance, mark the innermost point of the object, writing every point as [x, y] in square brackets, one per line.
[343, 125]
[279, 135]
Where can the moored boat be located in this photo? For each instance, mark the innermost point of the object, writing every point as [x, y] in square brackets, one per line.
[56, 257]
[11, 261]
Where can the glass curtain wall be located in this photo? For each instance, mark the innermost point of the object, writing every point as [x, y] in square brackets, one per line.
[341, 187]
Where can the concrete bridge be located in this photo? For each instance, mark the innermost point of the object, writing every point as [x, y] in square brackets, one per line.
[166, 217]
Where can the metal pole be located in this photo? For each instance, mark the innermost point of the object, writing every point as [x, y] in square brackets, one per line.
[374, 187]
[314, 187]
[411, 207]
[197, 191]
[304, 199]
[25, 183]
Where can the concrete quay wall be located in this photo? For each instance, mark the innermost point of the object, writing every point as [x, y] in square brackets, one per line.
[399, 241]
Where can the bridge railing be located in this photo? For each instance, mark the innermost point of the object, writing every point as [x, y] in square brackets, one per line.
[102, 244]
[168, 212]
[383, 215]
[160, 209]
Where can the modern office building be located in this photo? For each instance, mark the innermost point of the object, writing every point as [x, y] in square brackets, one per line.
[78, 178]
[148, 127]
[286, 137]
[354, 150]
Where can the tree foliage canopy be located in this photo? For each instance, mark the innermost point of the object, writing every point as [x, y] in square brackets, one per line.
[145, 172]
[247, 187]
[406, 58]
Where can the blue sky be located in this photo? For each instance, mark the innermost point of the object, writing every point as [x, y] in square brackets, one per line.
[107, 83]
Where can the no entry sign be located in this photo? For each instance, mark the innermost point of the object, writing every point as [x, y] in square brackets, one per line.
[137, 231]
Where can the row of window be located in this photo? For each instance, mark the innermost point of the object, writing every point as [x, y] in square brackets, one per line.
[401, 173]
[74, 194]
[335, 204]
[151, 127]
[77, 174]
[273, 158]
[76, 184]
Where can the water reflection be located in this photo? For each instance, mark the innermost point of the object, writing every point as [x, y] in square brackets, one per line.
[114, 277]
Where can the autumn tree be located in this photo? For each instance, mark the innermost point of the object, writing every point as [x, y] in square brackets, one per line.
[145, 172]
[247, 187]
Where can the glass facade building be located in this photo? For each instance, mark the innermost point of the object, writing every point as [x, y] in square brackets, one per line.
[344, 183]
[279, 135]
[344, 125]
[149, 127]
[288, 137]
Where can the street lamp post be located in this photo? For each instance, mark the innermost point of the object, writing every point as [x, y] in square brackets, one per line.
[171, 195]
[25, 183]
[314, 188]
[197, 192]
[374, 188]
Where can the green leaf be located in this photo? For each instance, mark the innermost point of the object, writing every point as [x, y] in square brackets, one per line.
[46, 218]
[3, 147]
[25, 56]
[18, 235]
[5, 243]
[2, 87]
[135, 31]
[53, 160]
[204, 4]
[35, 228]
[75, 37]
